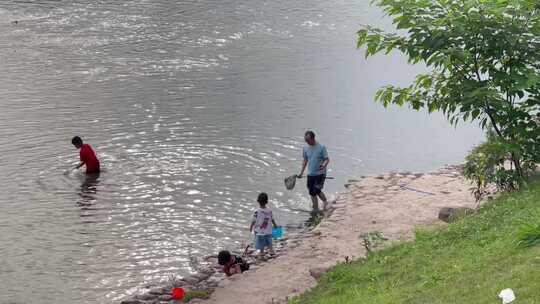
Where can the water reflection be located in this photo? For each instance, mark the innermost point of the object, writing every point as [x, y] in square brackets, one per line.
[89, 188]
[194, 107]
[88, 198]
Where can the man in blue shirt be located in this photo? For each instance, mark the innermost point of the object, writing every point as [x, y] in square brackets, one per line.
[315, 158]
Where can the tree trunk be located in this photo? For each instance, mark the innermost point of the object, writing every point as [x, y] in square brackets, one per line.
[515, 159]
[517, 163]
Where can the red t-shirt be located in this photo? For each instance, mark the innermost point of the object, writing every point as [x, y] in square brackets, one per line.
[89, 158]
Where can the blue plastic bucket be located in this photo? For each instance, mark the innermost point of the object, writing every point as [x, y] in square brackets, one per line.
[277, 232]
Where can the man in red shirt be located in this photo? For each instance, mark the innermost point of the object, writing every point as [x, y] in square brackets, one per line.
[87, 155]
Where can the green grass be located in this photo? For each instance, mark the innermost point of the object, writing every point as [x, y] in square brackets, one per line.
[468, 261]
[196, 294]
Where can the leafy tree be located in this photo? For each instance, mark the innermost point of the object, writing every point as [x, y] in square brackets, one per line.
[485, 166]
[484, 58]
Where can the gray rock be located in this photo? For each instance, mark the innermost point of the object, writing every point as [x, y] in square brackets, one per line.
[146, 297]
[207, 270]
[201, 276]
[190, 287]
[202, 286]
[449, 214]
[158, 291]
[131, 302]
[318, 272]
[191, 280]
[212, 282]
[178, 283]
[165, 297]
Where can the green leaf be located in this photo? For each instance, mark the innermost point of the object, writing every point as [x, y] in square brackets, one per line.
[484, 58]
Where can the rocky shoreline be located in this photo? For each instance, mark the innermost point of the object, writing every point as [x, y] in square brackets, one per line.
[373, 211]
[208, 275]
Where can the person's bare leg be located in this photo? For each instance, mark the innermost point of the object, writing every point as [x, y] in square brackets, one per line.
[315, 203]
[257, 244]
[323, 199]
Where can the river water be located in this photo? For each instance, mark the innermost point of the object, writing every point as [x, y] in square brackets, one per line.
[193, 107]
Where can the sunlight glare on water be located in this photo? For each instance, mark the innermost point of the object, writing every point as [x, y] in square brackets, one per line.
[193, 107]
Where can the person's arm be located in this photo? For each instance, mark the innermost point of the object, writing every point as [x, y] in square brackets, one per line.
[227, 270]
[83, 157]
[324, 163]
[251, 226]
[236, 269]
[304, 163]
[79, 165]
[325, 158]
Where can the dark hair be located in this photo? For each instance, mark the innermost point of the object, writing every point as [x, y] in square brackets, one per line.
[223, 257]
[76, 140]
[311, 134]
[262, 198]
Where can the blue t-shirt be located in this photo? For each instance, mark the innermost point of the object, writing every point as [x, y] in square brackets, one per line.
[315, 155]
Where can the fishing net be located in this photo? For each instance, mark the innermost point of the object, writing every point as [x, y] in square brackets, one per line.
[290, 182]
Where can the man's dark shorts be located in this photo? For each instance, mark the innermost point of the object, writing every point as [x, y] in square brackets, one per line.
[315, 183]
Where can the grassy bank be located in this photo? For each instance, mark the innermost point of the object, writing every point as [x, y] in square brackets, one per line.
[468, 261]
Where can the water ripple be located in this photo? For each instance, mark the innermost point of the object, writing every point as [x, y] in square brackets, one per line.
[193, 108]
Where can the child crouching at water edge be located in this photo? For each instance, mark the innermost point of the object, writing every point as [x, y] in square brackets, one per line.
[232, 264]
[261, 225]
